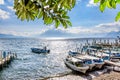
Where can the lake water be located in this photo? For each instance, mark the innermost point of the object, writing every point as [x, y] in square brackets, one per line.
[31, 66]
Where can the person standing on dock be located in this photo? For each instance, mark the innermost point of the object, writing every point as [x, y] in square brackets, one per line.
[4, 54]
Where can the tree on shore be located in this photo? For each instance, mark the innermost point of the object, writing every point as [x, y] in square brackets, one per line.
[54, 11]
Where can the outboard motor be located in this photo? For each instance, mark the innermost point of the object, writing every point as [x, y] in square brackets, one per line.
[48, 51]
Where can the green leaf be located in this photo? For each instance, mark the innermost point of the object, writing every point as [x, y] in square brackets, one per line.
[40, 14]
[96, 1]
[65, 13]
[63, 23]
[45, 18]
[73, 3]
[102, 5]
[69, 23]
[113, 4]
[27, 16]
[57, 23]
[118, 1]
[66, 17]
[22, 2]
[26, 2]
[49, 20]
[108, 4]
[117, 17]
[50, 10]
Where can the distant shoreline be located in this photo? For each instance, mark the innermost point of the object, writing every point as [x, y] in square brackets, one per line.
[58, 38]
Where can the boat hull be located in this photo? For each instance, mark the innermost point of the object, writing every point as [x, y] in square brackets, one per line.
[36, 50]
[91, 66]
[99, 65]
[79, 69]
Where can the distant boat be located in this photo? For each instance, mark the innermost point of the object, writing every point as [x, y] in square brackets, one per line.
[38, 50]
[76, 64]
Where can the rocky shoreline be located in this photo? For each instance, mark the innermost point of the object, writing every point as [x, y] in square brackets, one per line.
[109, 76]
[79, 76]
[103, 74]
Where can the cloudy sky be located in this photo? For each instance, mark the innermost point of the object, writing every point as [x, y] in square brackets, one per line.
[86, 18]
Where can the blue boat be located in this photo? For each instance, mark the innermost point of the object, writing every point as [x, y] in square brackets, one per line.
[71, 53]
[38, 50]
[114, 54]
[89, 60]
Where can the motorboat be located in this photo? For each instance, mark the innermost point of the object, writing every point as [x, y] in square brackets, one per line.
[73, 53]
[114, 54]
[38, 50]
[76, 64]
[91, 61]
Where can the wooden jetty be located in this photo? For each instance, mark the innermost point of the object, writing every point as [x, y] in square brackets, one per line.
[5, 59]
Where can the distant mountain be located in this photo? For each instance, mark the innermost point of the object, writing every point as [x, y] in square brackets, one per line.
[55, 33]
[8, 36]
[59, 33]
[113, 34]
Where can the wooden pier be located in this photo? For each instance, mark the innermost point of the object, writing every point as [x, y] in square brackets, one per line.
[6, 59]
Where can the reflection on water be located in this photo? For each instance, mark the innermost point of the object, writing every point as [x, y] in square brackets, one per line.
[29, 65]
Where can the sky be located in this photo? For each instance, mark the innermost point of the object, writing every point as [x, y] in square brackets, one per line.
[86, 18]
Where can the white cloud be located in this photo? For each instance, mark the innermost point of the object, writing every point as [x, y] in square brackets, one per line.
[108, 27]
[26, 33]
[2, 2]
[75, 30]
[91, 3]
[21, 33]
[98, 29]
[80, 30]
[11, 8]
[4, 14]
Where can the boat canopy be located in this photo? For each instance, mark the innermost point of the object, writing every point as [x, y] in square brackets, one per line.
[87, 57]
[75, 59]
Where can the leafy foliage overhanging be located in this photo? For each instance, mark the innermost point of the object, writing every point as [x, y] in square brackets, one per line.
[54, 11]
[108, 4]
[51, 11]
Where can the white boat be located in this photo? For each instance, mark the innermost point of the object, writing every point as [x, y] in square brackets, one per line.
[97, 57]
[90, 60]
[114, 54]
[98, 53]
[76, 64]
[94, 61]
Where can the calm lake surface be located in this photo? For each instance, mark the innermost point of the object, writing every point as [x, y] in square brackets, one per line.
[31, 66]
